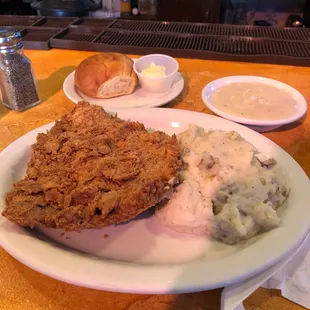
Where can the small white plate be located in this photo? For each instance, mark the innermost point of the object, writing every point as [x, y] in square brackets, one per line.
[258, 125]
[139, 98]
[263, 128]
[142, 256]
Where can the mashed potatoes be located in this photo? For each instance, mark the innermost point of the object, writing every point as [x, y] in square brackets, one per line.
[226, 192]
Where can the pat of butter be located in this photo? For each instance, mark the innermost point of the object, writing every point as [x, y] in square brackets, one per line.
[154, 71]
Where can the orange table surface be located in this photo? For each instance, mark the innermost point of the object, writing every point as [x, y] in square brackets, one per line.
[22, 288]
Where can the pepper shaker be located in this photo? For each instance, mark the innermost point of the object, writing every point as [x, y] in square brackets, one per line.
[18, 87]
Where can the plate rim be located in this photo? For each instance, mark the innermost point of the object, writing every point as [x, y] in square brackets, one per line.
[302, 102]
[157, 285]
[160, 102]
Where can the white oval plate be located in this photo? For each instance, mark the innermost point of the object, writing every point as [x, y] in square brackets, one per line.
[259, 125]
[139, 98]
[142, 256]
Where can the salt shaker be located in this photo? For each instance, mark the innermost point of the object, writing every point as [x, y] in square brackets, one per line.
[18, 87]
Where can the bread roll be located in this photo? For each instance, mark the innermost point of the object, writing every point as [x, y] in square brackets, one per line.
[106, 75]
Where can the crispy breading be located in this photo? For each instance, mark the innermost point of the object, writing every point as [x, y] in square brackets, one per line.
[92, 170]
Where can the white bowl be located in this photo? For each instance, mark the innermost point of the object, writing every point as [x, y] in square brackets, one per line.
[254, 123]
[156, 84]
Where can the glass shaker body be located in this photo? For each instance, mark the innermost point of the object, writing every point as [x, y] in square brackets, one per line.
[18, 85]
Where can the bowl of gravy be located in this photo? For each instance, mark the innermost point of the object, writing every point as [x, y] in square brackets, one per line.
[254, 101]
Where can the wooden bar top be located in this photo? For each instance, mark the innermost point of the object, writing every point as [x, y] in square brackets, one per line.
[24, 289]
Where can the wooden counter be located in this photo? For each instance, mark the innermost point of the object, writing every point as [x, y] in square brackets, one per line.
[24, 289]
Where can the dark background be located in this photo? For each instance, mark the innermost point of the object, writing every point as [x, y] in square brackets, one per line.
[273, 12]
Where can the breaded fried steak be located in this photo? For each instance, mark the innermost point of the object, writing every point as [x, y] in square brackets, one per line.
[92, 170]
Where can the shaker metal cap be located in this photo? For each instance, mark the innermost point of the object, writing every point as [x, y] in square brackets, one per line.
[9, 38]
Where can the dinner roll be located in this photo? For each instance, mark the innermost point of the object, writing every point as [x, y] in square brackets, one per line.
[106, 75]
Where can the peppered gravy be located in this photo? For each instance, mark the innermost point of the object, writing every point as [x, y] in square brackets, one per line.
[255, 101]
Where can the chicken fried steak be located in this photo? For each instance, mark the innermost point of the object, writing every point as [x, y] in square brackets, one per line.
[92, 170]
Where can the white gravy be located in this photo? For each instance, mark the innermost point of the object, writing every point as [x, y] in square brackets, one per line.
[255, 101]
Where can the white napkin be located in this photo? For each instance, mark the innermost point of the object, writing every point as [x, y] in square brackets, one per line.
[294, 278]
